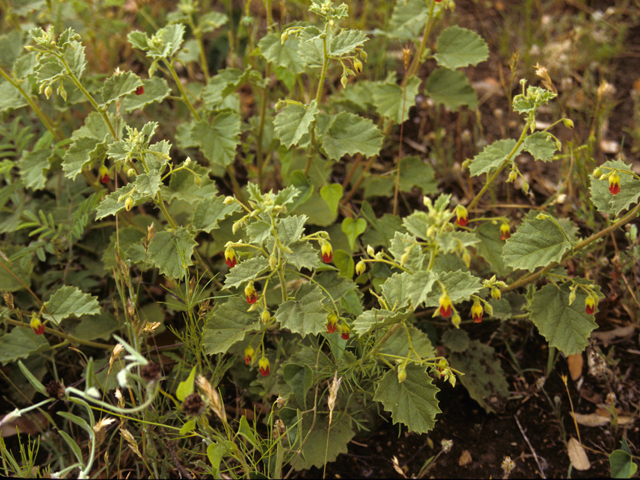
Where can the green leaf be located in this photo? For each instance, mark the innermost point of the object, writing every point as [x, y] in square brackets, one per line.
[290, 228]
[185, 388]
[34, 167]
[155, 90]
[118, 85]
[409, 18]
[602, 198]
[32, 379]
[458, 47]
[412, 402]
[566, 327]
[228, 323]
[310, 46]
[460, 286]
[300, 379]
[398, 344]
[415, 172]
[282, 54]
[353, 229]
[212, 20]
[165, 43]
[96, 326]
[490, 246]
[314, 451]
[293, 121]
[219, 138]
[456, 340]
[189, 426]
[406, 244]
[483, 375]
[10, 47]
[376, 318]
[20, 343]
[622, 465]
[541, 145]
[10, 97]
[245, 271]
[208, 213]
[81, 151]
[492, 156]
[536, 243]
[534, 98]
[451, 88]
[417, 224]
[420, 284]
[346, 42]
[110, 204]
[304, 315]
[335, 285]
[70, 301]
[72, 445]
[171, 252]
[390, 99]
[344, 263]
[222, 85]
[455, 241]
[148, 184]
[74, 56]
[332, 194]
[20, 267]
[182, 186]
[349, 134]
[302, 255]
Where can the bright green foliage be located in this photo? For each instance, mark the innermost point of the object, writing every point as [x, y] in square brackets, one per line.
[412, 402]
[537, 242]
[294, 121]
[245, 271]
[375, 318]
[210, 212]
[332, 195]
[534, 98]
[353, 229]
[349, 134]
[164, 44]
[398, 344]
[282, 54]
[223, 84]
[313, 452]
[484, 377]
[70, 301]
[629, 189]
[81, 152]
[460, 286]
[346, 42]
[458, 47]
[218, 139]
[171, 252]
[185, 388]
[34, 166]
[541, 146]
[117, 86]
[490, 246]
[451, 88]
[621, 462]
[155, 90]
[391, 101]
[300, 379]
[493, 156]
[304, 315]
[228, 323]
[563, 324]
[20, 343]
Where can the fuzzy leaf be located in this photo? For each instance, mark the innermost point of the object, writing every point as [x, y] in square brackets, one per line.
[171, 252]
[314, 452]
[182, 186]
[409, 18]
[293, 122]
[303, 255]
[117, 86]
[376, 318]
[451, 88]
[10, 97]
[332, 194]
[245, 271]
[20, 343]
[148, 184]
[536, 243]
[304, 315]
[310, 47]
[458, 47]
[460, 286]
[490, 247]
[155, 90]
[541, 146]
[398, 344]
[349, 134]
[492, 156]
[300, 379]
[346, 42]
[412, 402]
[483, 375]
[602, 198]
[353, 229]
[566, 327]
[222, 85]
[228, 323]
[390, 99]
[34, 166]
[81, 151]
[208, 213]
[218, 139]
[291, 228]
[68, 301]
[282, 54]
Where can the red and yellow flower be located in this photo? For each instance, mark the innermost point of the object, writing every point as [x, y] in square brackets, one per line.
[263, 366]
[446, 306]
[476, 312]
[139, 90]
[590, 305]
[505, 231]
[250, 293]
[327, 252]
[248, 355]
[37, 325]
[332, 322]
[462, 216]
[230, 257]
[614, 183]
[104, 174]
[345, 331]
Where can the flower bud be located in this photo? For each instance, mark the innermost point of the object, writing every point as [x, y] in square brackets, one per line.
[496, 293]
[370, 251]
[402, 373]
[567, 122]
[250, 293]
[332, 321]
[462, 217]
[37, 325]
[327, 251]
[597, 173]
[104, 174]
[230, 257]
[228, 200]
[345, 331]
[445, 305]
[357, 64]
[248, 355]
[455, 320]
[614, 183]
[505, 231]
[263, 366]
[128, 203]
[513, 176]
[590, 305]
[265, 316]
[476, 312]
[361, 267]
[131, 172]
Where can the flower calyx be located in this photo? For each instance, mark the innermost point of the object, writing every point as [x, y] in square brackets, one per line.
[248, 355]
[37, 325]
[505, 231]
[332, 322]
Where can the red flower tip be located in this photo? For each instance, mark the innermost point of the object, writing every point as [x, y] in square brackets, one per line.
[37, 325]
[462, 217]
[590, 305]
[248, 355]
[104, 174]
[332, 322]
[327, 252]
[263, 366]
[230, 257]
[476, 312]
[250, 293]
[139, 90]
[446, 307]
[505, 231]
[614, 183]
[345, 331]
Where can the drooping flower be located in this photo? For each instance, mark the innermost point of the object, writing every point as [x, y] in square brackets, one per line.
[496, 293]
[361, 267]
[327, 252]
[263, 366]
[614, 183]
[476, 312]
[104, 174]
[230, 257]
[462, 217]
[332, 322]
[590, 305]
[345, 331]
[505, 231]
[139, 90]
[37, 325]
[250, 293]
[445, 305]
[248, 355]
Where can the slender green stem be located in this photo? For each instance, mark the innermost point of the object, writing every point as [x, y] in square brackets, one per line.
[263, 115]
[41, 115]
[183, 93]
[413, 68]
[69, 338]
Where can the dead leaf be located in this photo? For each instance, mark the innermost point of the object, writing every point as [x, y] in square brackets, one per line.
[575, 361]
[577, 455]
[590, 395]
[610, 335]
[30, 423]
[465, 458]
[622, 419]
[591, 419]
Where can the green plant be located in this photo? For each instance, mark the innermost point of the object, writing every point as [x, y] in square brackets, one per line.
[285, 318]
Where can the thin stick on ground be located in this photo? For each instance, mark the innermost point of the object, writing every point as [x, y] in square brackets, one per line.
[530, 447]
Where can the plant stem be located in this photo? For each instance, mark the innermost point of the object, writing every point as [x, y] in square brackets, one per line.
[415, 64]
[183, 93]
[69, 338]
